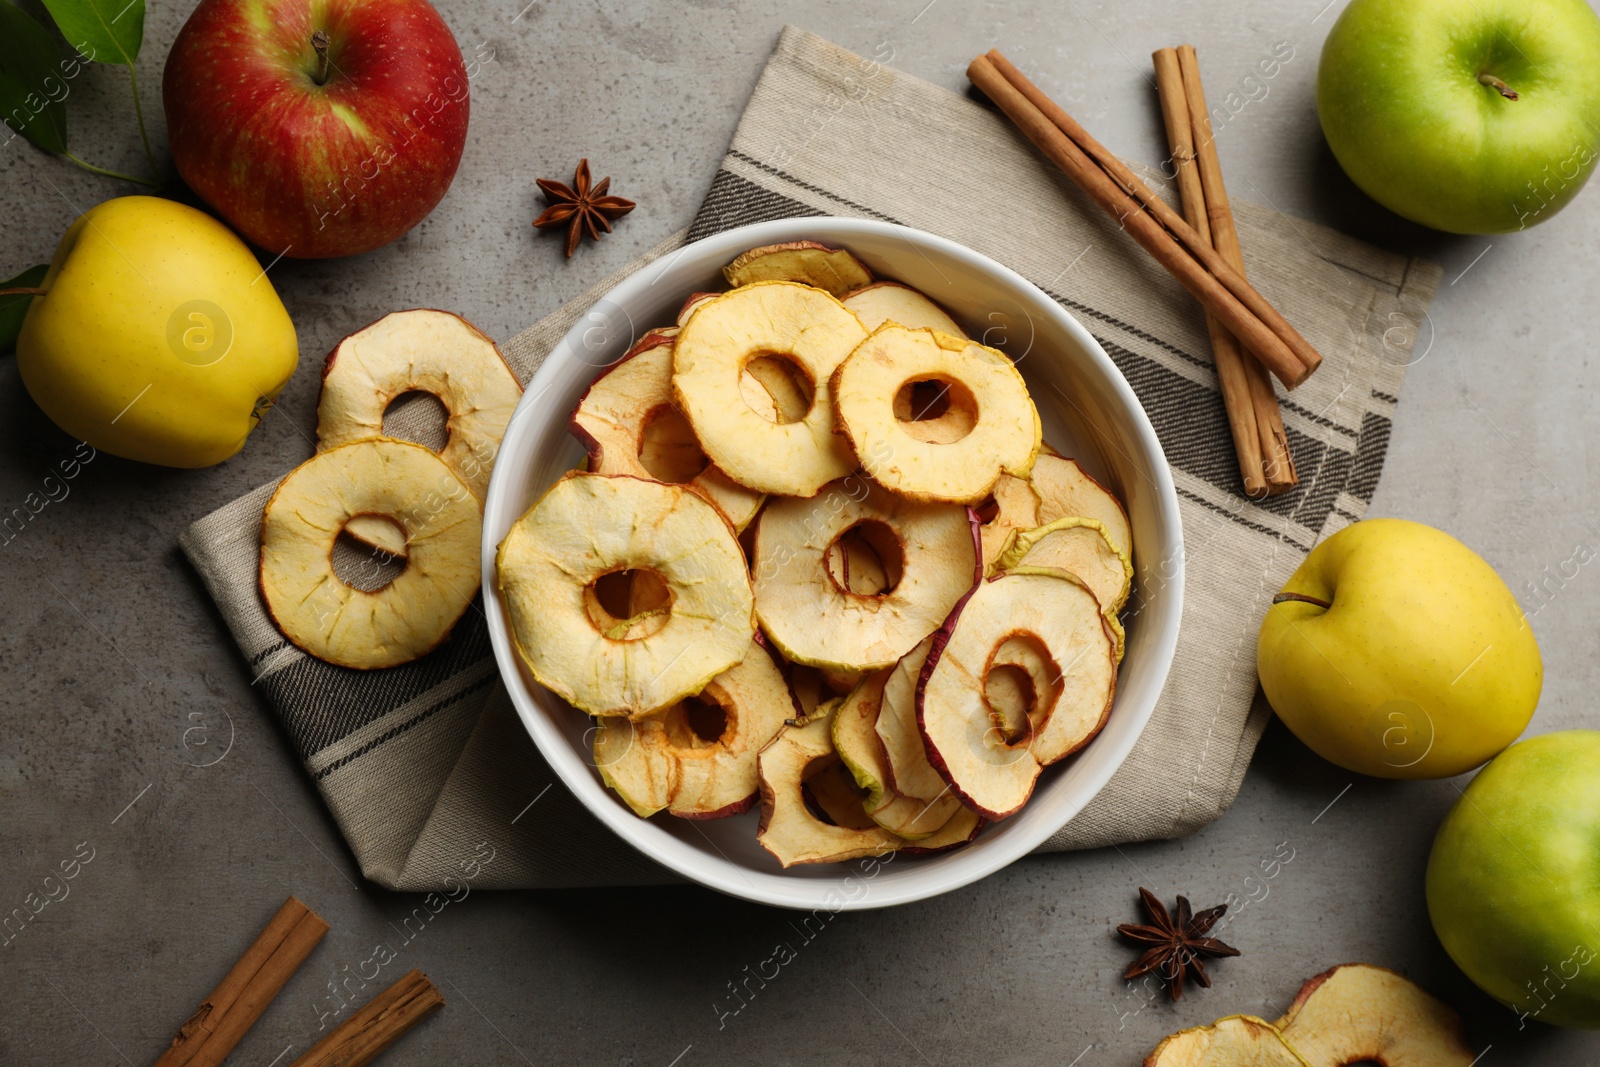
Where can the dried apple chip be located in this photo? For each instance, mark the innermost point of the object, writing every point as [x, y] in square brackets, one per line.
[858, 744]
[1065, 490]
[832, 270]
[1356, 1012]
[883, 302]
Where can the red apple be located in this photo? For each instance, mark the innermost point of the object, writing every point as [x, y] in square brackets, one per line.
[318, 128]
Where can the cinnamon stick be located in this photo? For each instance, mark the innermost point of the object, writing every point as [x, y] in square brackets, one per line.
[380, 1023]
[1172, 241]
[1225, 351]
[1274, 442]
[227, 1014]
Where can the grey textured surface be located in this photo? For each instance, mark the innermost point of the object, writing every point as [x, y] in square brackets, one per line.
[109, 651]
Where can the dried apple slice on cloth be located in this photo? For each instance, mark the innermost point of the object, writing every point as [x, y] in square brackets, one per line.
[1065, 490]
[1234, 1041]
[696, 758]
[1080, 546]
[832, 270]
[629, 425]
[419, 351]
[935, 417]
[1356, 1012]
[883, 302]
[789, 830]
[1011, 506]
[1028, 638]
[625, 595]
[928, 553]
[422, 501]
[858, 745]
[767, 330]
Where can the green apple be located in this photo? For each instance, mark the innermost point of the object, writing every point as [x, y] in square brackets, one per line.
[1479, 117]
[1512, 886]
[1395, 650]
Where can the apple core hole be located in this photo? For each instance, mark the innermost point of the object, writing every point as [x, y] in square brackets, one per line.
[364, 566]
[697, 722]
[777, 388]
[935, 410]
[988, 510]
[626, 605]
[668, 448]
[418, 417]
[866, 560]
[1020, 687]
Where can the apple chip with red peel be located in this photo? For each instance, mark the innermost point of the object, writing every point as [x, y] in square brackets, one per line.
[1356, 1012]
[935, 417]
[1066, 490]
[696, 758]
[1030, 639]
[788, 828]
[1011, 506]
[858, 745]
[422, 351]
[832, 270]
[883, 302]
[905, 755]
[388, 480]
[629, 425]
[683, 612]
[692, 304]
[1234, 1041]
[810, 612]
[1079, 546]
[771, 328]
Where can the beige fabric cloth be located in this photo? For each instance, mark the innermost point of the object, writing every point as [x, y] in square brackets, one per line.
[421, 763]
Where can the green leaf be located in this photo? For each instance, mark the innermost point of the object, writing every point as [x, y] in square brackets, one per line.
[106, 31]
[13, 308]
[33, 86]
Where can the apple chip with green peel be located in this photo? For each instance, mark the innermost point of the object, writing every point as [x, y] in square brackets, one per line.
[418, 351]
[726, 360]
[1079, 546]
[625, 595]
[629, 425]
[1356, 1012]
[1065, 490]
[935, 417]
[1011, 506]
[883, 302]
[1234, 1041]
[386, 480]
[858, 745]
[789, 830]
[805, 601]
[832, 270]
[696, 758]
[1030, 639]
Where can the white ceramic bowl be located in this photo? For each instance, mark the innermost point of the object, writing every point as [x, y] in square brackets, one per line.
[1088, 411]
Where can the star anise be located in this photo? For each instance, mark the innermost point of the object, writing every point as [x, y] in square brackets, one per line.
[1177, 942]
[580, 208]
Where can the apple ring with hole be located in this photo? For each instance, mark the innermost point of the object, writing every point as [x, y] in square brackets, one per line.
[788, 828]
[722, 358]
[859, 746]
[1232, 1041]
[1356, 1012]
[629, 425]
[1030, 631]
[803, 593]
[1064, 490]
[935, 417]
[413, 493]
[625, 595]
[1081, 546]
[833, 270]
[419, 351]
[697, 758]
[883, 302]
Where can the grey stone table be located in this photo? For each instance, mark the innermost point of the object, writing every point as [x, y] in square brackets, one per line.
[109, 650]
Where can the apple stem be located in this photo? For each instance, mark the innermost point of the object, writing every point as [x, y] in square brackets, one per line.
[1498, 86]
[319, 41]
[22, 292]
[1300, 598]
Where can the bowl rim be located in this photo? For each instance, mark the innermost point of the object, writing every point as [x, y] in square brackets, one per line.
[725, 875]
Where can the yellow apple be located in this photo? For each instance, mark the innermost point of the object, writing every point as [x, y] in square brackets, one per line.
[158, 337]
[1396, 651]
